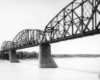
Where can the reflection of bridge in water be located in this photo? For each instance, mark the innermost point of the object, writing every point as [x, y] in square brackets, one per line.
[80, 18]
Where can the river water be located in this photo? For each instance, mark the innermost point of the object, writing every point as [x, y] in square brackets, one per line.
[68, 69]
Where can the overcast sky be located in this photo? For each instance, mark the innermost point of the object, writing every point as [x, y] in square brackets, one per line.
[16, 15]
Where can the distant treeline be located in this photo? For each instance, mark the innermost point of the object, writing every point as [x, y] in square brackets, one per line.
[27, 55]
[4, 56]
[20, 55]
[74, 55]
[34, 55]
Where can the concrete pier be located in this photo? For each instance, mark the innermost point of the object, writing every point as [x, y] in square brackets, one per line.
[45, 59]
[13, 56]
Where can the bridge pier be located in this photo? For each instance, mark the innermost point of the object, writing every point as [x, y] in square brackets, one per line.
[45, 59]
[13, 56]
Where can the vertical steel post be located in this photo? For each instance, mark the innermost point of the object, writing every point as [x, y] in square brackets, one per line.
[72, 21]
[93, 15]
[82, 16]
[64, 23]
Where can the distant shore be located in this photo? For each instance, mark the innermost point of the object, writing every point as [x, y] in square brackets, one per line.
[34, 55]
[75, 55]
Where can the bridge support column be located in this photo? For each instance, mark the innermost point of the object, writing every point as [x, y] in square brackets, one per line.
[13, 56]
[45, 59]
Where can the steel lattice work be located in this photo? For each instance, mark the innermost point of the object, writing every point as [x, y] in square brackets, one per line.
[7, 45]
[78, 19]
[25, 38]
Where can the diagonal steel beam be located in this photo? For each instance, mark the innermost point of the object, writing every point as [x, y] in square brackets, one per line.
[93, 6]
[92, 14]
[80, 20]
[74, 23]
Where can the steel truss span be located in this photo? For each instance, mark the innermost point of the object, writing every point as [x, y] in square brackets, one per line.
[78, 19]
[25, 38]
[7, 45]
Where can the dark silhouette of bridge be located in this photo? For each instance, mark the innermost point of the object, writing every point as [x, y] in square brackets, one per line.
[78, 19]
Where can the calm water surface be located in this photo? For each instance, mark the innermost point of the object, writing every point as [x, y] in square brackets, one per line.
[68, 69]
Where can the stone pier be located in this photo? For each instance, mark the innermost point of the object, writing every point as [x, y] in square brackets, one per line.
[13, 56]
[45, 59]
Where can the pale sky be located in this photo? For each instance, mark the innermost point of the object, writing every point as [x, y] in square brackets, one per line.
[16, 15]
